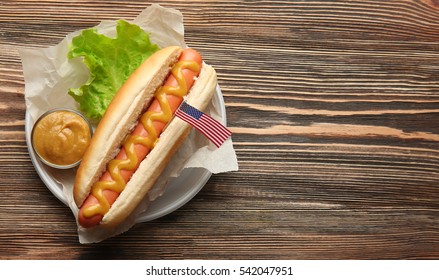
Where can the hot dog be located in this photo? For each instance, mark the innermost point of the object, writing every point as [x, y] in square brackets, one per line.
[137, 135]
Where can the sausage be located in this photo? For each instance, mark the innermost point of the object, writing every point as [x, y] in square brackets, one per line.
[141, 150]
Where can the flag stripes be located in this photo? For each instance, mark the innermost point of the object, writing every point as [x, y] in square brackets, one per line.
[208, 126]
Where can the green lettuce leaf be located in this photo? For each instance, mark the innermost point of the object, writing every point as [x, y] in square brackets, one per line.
[111, 61]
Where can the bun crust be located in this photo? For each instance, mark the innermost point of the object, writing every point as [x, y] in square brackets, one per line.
[120, 118]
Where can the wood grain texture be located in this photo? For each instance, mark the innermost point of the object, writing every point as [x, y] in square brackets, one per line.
[334, 106]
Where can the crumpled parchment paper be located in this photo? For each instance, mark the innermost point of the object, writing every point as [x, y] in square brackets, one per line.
[49, 74]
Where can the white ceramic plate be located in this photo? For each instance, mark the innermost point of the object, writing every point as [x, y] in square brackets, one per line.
[179, 191]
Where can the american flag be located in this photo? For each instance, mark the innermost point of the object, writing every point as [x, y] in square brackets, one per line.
[211, 128]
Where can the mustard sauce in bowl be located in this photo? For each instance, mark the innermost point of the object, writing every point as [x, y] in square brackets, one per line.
[60, 138]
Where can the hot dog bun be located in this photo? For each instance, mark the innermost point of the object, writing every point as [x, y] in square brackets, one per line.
[120, 118]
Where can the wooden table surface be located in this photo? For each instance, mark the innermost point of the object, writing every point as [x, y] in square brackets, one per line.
[334, 106]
